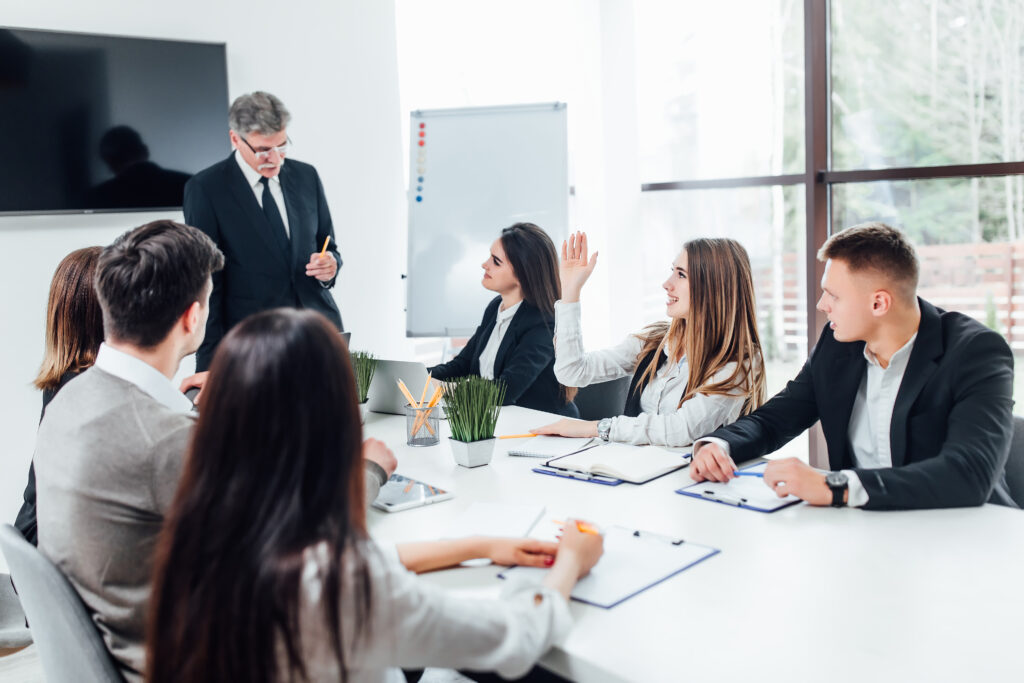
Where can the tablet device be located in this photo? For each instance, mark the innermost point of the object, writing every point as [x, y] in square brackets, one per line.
[402, 493]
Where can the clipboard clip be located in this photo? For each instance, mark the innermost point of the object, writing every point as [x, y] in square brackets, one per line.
[666, 539]
[728, 500]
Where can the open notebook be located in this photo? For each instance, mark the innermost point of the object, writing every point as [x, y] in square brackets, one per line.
[635, 464]
[633, 561]
[744, 491]
[551, 446]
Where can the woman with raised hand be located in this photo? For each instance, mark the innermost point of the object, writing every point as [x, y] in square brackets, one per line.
[700, 370]
[264, 570]
[74, 332]
[513, 342]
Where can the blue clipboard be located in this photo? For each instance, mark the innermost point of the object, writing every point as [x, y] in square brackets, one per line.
[578, 476]
[763, 501]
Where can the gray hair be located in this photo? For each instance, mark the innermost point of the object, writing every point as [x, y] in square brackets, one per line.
[258, 112]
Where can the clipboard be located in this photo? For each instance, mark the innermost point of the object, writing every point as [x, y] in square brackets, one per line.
[633, 562]
[659, 462]
[747, 492]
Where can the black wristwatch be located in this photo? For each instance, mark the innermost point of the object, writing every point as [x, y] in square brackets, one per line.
[839, 483]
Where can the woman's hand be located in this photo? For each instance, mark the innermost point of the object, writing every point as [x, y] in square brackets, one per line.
[525, 552]
[568, 427]
[575, 266]
[581, 549]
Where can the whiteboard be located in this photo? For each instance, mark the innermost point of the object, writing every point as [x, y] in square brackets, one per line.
[477, 171]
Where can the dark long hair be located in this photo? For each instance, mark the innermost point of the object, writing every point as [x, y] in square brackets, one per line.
[274, 468]
[533, 258]
[74, 320]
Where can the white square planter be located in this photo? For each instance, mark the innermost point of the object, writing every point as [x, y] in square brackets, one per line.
[473, 453]
[363, 411]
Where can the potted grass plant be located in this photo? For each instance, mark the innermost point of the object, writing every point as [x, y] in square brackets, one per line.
[472, 406]
[364, 364]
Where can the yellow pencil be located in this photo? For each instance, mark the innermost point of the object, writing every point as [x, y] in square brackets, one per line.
[426, 413]
[582, 526]
[516, 436]
[423, 396]
[326, 241]
[412, 402]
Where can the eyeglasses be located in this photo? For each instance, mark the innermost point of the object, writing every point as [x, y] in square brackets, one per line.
[264, 154]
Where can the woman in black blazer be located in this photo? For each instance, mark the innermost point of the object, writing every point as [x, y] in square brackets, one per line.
[514, 342]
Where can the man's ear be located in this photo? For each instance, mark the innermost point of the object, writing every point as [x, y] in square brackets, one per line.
[190, 318]
[881, 303]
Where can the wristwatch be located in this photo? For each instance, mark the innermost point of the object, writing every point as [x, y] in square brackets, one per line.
[839, 483]
[604, 428]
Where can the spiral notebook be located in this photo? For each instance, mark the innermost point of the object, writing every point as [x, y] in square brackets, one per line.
[552, 446]
[618, 462]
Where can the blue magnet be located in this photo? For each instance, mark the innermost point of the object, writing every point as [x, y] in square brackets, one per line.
[420, 179]
[419, 188]
[419, 198]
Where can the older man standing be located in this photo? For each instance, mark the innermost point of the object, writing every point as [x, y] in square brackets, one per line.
[269, 218]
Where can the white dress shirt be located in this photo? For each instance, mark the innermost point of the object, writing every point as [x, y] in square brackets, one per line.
[490, 352]
[143, 375]
[662, 420]
[257, 188]
[870, 420]
[415, 623]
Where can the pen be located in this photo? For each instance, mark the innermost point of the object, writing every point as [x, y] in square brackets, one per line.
[324, 250]
[516, 436]
[741, 473]
[581, 526]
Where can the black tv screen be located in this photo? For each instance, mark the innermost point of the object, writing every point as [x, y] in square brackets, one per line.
[102, 123]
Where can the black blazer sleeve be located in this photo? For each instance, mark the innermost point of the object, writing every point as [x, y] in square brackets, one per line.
[199, 214]
[977, 439]
[784, 417]
[533, 352]
[324, 228]
[462, 364]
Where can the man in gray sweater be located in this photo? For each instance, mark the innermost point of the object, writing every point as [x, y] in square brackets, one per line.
[111, 447]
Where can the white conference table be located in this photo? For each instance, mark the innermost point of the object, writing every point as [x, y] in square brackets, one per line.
[801, 594]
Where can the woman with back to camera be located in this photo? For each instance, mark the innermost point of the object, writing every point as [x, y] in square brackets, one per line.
[264, 569]
[513, 342]
[74, 332]
[699, 371]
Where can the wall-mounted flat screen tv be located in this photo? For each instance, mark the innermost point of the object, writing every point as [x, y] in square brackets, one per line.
[103, 123]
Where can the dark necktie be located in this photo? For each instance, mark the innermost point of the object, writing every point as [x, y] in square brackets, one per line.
[273, 215]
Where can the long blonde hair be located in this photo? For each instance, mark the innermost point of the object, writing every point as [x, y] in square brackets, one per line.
[720, 328]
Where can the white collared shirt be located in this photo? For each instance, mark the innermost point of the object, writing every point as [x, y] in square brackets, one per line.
[253, 177]
[490, 352]
[662, 421]
[871, 417]
[143, 375]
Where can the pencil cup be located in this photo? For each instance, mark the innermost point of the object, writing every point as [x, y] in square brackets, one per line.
[421, 426]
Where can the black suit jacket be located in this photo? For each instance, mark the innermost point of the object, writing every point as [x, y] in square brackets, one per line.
[525, 360]
[951, 425]
[261, 270]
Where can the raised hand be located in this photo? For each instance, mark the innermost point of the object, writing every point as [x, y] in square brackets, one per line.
[576, 266]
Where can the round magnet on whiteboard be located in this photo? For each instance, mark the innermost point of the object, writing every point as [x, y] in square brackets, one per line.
[420, 170]
[419, 198]
[419, 179]
[421, 143]
[419, 188]
[422, 134]
[423, 125]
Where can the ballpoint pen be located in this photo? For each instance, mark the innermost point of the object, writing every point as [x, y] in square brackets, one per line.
[741, 473]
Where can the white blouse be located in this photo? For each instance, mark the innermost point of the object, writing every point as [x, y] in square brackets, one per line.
[662, 421]
[416, 624]
[490, 352]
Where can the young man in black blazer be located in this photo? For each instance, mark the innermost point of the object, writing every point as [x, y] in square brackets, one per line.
[270, 219]
[915, 402]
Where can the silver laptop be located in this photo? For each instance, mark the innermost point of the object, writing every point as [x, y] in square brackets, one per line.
[385, 396]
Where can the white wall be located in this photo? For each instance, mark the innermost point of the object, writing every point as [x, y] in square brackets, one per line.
[333, 63]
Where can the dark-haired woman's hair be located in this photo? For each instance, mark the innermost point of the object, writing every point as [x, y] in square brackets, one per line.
[74, 319]
[274, 468]
[534, 260]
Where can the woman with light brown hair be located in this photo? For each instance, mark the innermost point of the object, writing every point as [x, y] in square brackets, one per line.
[74, 331]
[700, 370]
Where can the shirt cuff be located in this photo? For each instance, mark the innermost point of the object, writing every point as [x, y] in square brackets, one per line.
[857, 496]
[724, 445]
[373, 469]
